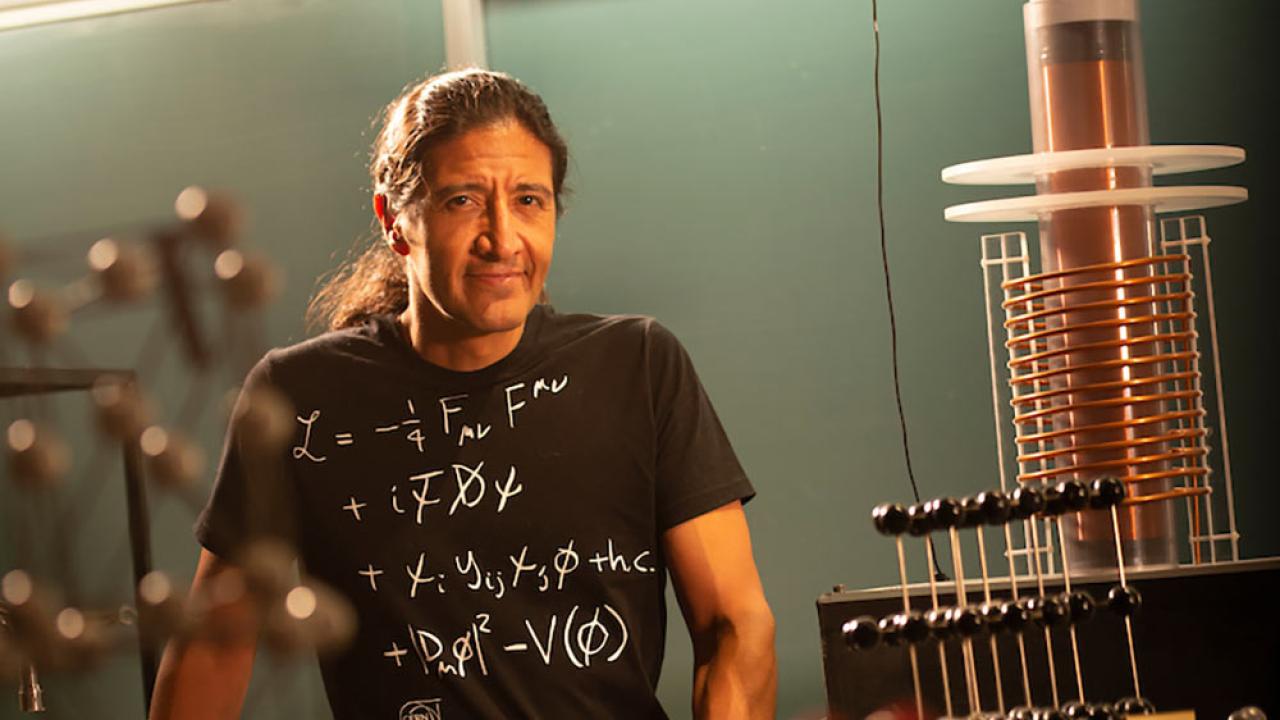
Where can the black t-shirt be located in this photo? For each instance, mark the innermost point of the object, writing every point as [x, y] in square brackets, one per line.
[498, 531]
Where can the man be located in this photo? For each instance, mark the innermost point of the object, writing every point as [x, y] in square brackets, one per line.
[499, 490]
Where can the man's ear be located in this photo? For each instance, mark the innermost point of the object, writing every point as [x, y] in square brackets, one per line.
[382, 211]
[387, 219]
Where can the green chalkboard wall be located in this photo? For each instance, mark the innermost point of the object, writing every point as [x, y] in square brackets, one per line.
[723, 176]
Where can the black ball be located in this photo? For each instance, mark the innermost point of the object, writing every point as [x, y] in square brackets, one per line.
[1124, 600]
[1025, 502]
[1049, 713]
[944, 513]
[1014, 615]
[1134, 706]
[912, 627]
[1053, 502]
[1080, 606]
[1106, 492]
[1075, 495]
[939, 622]
[1075, 710]
[889, 633]
[862, 633]
[889, 518]
[1101, 711]
[918, 521]
[1021, 712]
[995, 507]
[967, 621]
[1047, 611]
[971, 513]
[991, 616]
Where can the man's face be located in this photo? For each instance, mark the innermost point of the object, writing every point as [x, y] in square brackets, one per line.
[480, 242]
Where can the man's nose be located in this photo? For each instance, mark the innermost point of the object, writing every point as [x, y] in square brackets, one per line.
[498, 240]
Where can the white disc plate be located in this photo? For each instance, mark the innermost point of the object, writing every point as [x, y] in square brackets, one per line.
[1162, 199]
[1025, 169]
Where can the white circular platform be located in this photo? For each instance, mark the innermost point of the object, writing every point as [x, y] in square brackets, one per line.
[1025, 169]
[1162, 199]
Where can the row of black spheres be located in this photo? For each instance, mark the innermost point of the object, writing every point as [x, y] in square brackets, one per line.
[993, 507]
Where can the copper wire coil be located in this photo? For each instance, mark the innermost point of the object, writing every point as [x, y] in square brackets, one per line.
[1186, 356]
[1175, 436]
[1173, 494]
[1084, 347]
[1043, 395]
[1098, 285]
[1174, 454]
[1117, 425]
[1039, 415]
[1182, 471]
[1039, 278]
[1096, 305]
[1179, 317]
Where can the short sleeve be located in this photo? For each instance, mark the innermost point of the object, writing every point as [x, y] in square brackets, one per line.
[696, 468]
[252, 495]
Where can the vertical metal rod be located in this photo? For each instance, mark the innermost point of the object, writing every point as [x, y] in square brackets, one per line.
[906, 608]
[1066, 582]
[1013, 591]
[986, 595]
[1048, 638]
[1128, 625]
[966, 644]
[140, 546]
[942, 649]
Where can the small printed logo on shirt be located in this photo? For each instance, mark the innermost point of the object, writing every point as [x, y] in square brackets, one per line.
[421, 710]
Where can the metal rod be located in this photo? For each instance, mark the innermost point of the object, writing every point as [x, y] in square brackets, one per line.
[942, 649]
[1128, 625]
[1066, 582]
[966, 644]
[906, 608]
[1048, 638]
[986, 595]
[1013, 591]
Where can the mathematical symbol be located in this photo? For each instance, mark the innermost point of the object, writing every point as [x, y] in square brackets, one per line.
[343, 438]
[354, 507]
[396, 652]
[516, 647]
[372, 574]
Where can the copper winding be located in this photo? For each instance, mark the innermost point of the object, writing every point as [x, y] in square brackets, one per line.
[1039, 415]
[1175, 436]
[1036, 397]
[1118, 425]
[1040, 312]
[1122, 342]
[1096, 285]
[1182, 317]
[1035, 377]
[1124, 462]
[1039, 278]
[1173, 494]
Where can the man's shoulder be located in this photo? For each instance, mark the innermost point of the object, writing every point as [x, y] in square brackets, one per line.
[560, 329]
[358, 344]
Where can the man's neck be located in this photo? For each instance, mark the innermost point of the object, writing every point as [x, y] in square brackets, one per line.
[443, 344]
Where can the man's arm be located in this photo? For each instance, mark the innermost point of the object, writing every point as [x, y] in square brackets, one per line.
[715, 579]
[204, 679]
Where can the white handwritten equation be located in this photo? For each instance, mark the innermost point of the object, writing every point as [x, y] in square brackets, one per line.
[410, 426]
[580, 636]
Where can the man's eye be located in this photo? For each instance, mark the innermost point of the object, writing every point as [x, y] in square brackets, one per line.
[530, 200]
[458, 201]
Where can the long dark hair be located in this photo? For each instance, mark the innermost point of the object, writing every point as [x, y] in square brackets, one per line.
[371, 281]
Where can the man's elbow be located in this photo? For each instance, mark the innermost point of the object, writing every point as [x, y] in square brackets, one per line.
[746, 628]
